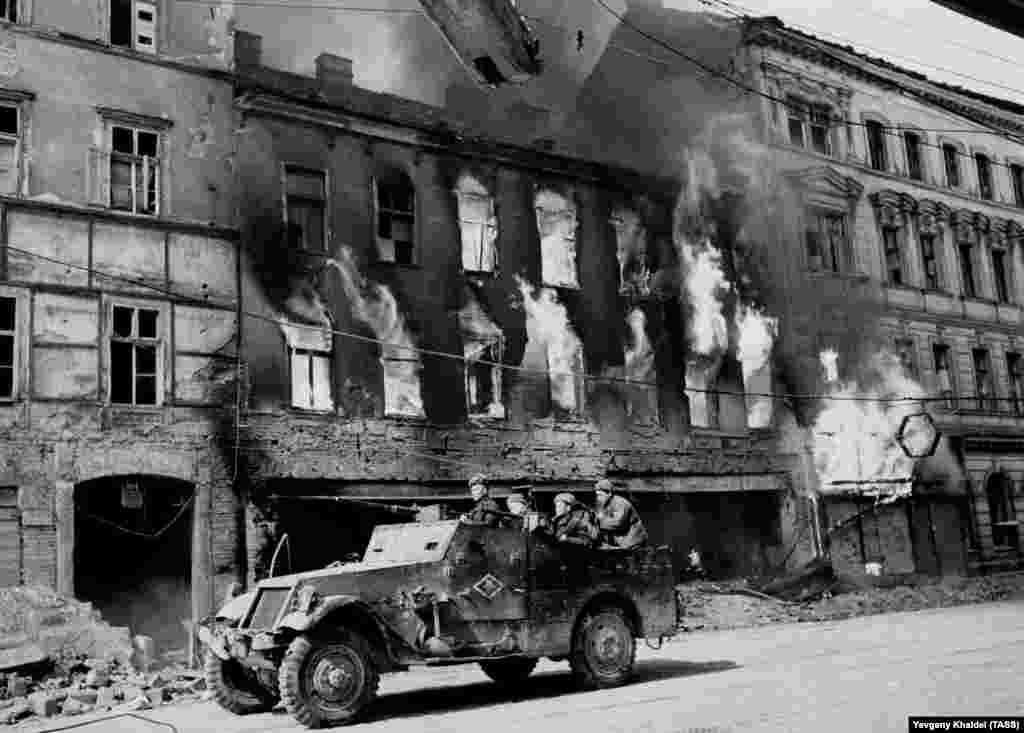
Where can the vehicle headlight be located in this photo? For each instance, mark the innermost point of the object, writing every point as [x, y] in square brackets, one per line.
[306, 599]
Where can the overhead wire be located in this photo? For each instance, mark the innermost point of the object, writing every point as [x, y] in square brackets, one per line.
[510, 367]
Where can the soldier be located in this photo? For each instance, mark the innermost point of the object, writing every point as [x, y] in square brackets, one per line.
[485, 510]
[619, 522]
[574, 523]
[516, 504]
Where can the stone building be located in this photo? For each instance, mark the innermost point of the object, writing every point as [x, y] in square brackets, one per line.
[368, 216]
[923, 230]
[118, 302]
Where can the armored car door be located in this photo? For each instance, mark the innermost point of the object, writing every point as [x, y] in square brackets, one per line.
[488, 573]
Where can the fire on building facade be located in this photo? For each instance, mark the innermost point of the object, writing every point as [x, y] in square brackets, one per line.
[926, 229]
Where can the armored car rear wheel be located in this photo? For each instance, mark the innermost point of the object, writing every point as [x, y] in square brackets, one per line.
[326, 682]
[508, 671]
[234, 688]
[603, 649]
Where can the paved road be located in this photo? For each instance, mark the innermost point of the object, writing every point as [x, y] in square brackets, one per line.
[865, 674]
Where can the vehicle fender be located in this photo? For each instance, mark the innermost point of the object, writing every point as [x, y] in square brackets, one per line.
[234, 609]
[301, 622]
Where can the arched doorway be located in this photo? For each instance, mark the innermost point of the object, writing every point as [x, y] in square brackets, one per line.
[999, 492]
[132, 553]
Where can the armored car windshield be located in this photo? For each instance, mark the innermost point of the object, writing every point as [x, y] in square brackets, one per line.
[393, 544]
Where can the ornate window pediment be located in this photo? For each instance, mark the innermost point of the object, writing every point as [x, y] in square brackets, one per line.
[827, 181]
[892, 206]
[931, 214]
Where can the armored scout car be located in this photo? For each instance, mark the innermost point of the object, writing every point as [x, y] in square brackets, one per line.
[435, 593]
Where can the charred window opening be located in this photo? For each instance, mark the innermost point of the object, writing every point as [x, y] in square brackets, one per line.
[135, 350]
[396, 217]
[132, 24]
[304, 208]
[945, 385]
[826, 243]
[8, 346]
[135, 171]
[893, 255]
[557, 224]
[1000, 274]
[402, 383]
[309, 358]
[565, 365]
[478, 226]
[984, 387]
[930, 261]
[631, 251]
[1015, 372]
[482, 342]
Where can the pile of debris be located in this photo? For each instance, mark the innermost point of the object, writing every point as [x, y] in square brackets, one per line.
[94, 685]
[736, 604]
[57, 656]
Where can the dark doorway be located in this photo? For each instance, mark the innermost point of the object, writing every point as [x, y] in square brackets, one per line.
[133, 554]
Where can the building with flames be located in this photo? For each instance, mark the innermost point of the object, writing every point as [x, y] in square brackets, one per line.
[924, 230]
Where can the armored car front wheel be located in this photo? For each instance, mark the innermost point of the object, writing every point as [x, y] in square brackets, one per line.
[234, 688]
[327, 682]
[603, 649]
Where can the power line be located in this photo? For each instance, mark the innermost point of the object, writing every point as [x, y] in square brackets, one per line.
[307, 6]
[460, 357]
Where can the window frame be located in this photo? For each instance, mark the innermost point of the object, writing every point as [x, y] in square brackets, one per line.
[311, 354]
[871, 125]
[287, 197]
[934, 238]
[19, 101]
[1016, 172]
[986, 182]
[983, 402]
[968, 271]
[950, 395]
[21, 344]
[952, 163]
[917, 148]
[573, 209]
[384, 171]
[897, 248]
[131, 158]
[469, 188]
[906, 352]
[161, 341]
[1001, 278]
[150, 49]
[497, 344]
[832, 265]
[1015, 380]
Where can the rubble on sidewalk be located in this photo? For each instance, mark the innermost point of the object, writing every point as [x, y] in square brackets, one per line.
[732, 604]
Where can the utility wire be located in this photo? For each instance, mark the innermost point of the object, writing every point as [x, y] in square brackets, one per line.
[460, 357]
[147, 535]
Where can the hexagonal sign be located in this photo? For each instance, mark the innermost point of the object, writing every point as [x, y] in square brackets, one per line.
[918, 435]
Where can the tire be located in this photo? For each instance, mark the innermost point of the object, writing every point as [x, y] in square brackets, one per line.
[235, 688]
[313, 694]
[603, 650]
[509, 671]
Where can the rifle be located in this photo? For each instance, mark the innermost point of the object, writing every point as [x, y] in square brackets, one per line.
[393, 508]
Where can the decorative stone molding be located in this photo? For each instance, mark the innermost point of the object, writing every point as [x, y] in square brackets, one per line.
[826, 179]
[892, 206]
[932, 215]
[997, 232]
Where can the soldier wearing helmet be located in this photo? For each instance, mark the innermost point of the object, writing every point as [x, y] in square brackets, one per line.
[619, 522]
[485, 509]
[574, 523]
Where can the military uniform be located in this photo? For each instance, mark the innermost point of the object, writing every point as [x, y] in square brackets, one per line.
[620, 524]
[578, 526]
[485, 511]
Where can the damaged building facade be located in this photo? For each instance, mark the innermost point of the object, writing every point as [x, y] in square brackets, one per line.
[433, 301]
[118, 303]
[924, 231]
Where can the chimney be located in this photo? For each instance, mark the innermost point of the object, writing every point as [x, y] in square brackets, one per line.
[248, 50]
[334, 73]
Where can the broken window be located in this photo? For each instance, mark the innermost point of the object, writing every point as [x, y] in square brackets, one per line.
[945, 385]
[929, 261]
[8, 346]
[983, 386]
[966, 251]
[396, 217]
[912, 141]
[309, 357]
[893, 255]
[134, 171]
[1015, 372]
[876, 145]
[477, 224]
[984, 176]
[951, 158]
[482, 346]
[1017, 178]
[825, 239]
[133, 24]
[402, 383]
[135, 355]
[631, 251]
[556, 223]
[305, 194]
[9, 10]
[10, 148]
